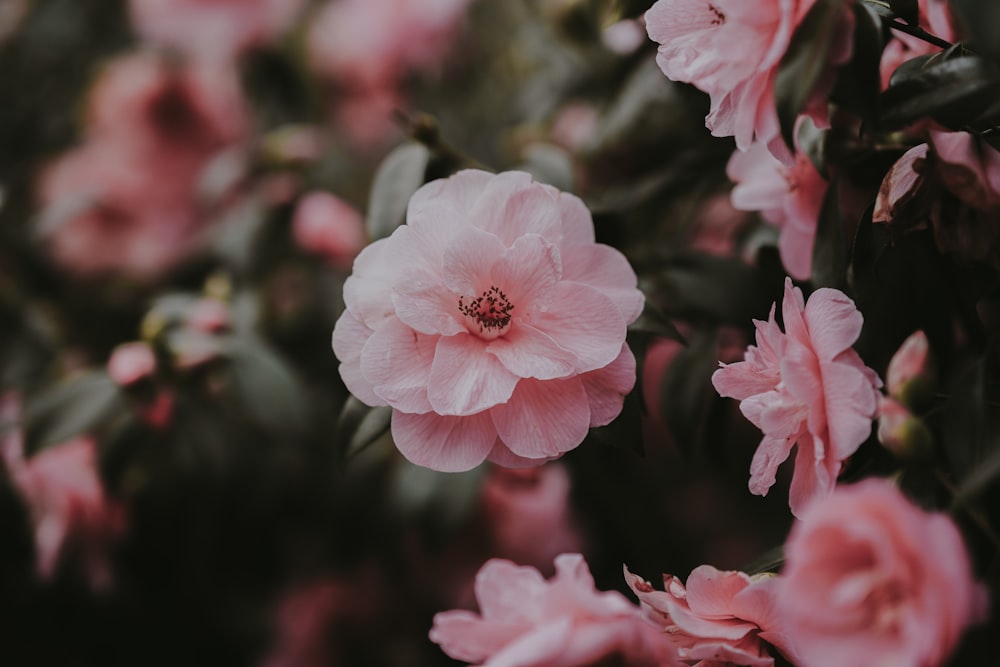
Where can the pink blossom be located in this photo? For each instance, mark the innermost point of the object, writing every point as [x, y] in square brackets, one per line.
[789, 197]
[126, 200]
[526, 621]
[528, 514]
[935, 17]
[719, 618]
[871, 579]
[213, 29]
[330, 227]
[804, 387]
[70, 512]
[491, 323]
[131, 362]
[731, 50]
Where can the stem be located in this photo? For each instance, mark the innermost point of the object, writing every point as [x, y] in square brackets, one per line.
[919, 33]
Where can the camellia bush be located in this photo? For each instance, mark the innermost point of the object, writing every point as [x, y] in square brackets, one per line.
[511, 333]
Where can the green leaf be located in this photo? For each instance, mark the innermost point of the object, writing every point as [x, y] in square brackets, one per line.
[954, 91]
[829, 260]
[908, 10]
[396, 179]
[358, 426]
[78, 405]
[769, 561]
[686, 391]
[725, 289]
[805, 62]
[549, 164]
[859, 82]
[653, 321]
[981, 22]
[264, 386]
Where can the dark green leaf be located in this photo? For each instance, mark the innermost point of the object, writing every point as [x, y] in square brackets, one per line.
[358, 426]
[804, 63]
[829, 260]
[955, 92]
[78, 405]
[625, 431]
[264, 386]
[725, 289]
[908, 10]
[980, 478]
[686, 391]
[770, 561]
[880, 7]
[859, 81]
[653, 321]
[980, 20]
[396, 179]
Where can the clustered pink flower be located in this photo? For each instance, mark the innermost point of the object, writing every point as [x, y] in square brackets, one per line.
[526, 621]
[491, 323]
[126, 200]
[871, 579]
[805, 386]
[731, 50]
[212, 29]
[789, 197]
[719, 618]
[935, 17]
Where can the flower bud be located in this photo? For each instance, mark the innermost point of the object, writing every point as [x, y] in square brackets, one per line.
[910, 378]
[902, 433]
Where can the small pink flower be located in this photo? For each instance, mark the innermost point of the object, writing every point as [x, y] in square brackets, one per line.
[526, 621]
[491, 323]
[329, 226]
[131, 362]
[719, 618]
[871, 579]
[213, 29]
[804, 387]
[789, 197]
[731, 50]
[935, 17]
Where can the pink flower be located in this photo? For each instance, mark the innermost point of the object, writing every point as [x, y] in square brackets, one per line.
[731, 50]
[935, 17]
[491, 323]
[804, 387]
[719, 618]
[789, 197]
[70, 512]
[871, 579]
[131, 362]
[526, 621]
[213, 29]
[126, 200]
[329, 226]
[969, 168]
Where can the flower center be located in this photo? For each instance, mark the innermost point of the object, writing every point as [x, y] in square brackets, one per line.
[490, 311]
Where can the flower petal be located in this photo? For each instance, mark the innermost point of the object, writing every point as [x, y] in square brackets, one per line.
[543, 419]
[422, 302]
[528, 271]
[607, 270]
[445, 444]
[467, 261]
[349, 338]
[513, 205]
[771, 453]
[396, 361]
[585, 322]
[606, 387]
[834, 322]
[465, 378]
[528, 353]
[440, 210]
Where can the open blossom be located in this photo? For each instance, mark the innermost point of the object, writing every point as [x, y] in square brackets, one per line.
[789, 197]
[731, 49]
[491, 323]
[804, 387]
[871, 579]
[126, 200]
[719, 618]
[526, 621]
[212, 29]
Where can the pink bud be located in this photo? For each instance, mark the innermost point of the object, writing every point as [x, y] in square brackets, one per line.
[901, 432]
[909, 370]
[131, 362]
[329, 226]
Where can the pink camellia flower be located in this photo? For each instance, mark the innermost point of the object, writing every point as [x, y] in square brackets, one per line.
[871, 579]
[789, 197]
[935, 17]
[126, 201]
[330, 227]
[804, 387]
[719, 618]
[731, 50]
[526, 621]
[213, 29]
[491, 323]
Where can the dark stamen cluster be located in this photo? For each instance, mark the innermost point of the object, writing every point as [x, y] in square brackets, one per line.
[491, 310]
[720, 18]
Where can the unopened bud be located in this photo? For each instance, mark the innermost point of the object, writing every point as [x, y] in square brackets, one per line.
[910, 378]
[902, 433]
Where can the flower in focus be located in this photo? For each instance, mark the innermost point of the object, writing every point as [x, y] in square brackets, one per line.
[126, 200]
[871, 579]
[789, 197]
[525, 621]
[724, 618]
[212, 29]
[329, 226]
[804, 387]
[491, 323]
[731, 50]
[935, 17]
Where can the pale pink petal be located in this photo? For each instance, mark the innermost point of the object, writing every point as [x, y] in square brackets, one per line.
[834, 322]
[349, 338]
[607, 270]
[528, 353]
[606, 387]
[577, 224]
[445, 444]
[504, 590]
[502, 456]
[770, 454]
[543, 419]
[467, 261]
[851, 404]
[543, 646]
[397, 362]
[710, 592]
[900, 184]
[512, 205]
[527, 272]
[368, 290]
[422, 302]
[465, 636]
[465, 378]
[585, 322]
[814, 476]
[441, 209]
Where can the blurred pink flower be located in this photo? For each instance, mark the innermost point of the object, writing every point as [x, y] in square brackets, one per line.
[209, 315]
[789, 197]
[528, 514]
[935, 17]
[131, 362]
[70, 511]
[804, 387]
[719, 618]
[491, 323]
[330, 227]
[871, 579]
[213, 29]
[731, 50]
[526, 621]
[126, 200]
